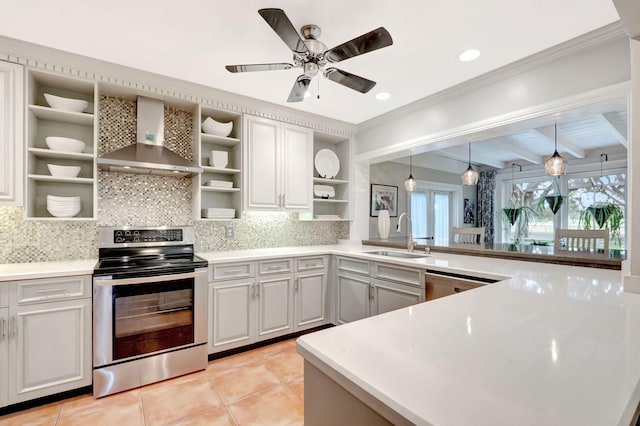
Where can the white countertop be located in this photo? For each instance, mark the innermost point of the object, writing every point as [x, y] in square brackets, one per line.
[553, 345]
[32, 270]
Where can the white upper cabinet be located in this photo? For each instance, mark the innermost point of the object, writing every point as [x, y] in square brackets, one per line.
[11, 136]
[278, 165]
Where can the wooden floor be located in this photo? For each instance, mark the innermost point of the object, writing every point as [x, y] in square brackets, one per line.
[260, 387]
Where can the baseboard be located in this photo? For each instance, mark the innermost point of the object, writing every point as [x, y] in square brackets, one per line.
[45, 400]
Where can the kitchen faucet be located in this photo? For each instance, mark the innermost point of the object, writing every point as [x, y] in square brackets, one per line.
[410, 243]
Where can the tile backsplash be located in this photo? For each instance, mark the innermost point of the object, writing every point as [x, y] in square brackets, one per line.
[36, 241]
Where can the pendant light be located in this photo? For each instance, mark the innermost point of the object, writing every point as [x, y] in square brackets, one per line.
[556, 165]
[410, 184]
[470, 176]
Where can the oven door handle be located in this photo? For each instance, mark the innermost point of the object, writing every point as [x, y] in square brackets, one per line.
[109, 280]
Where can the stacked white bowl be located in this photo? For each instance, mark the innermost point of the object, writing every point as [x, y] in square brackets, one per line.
[63, 206]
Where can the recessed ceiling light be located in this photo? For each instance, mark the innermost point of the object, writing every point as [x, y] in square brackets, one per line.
[383, 96]
[469, 55]
[307, 94]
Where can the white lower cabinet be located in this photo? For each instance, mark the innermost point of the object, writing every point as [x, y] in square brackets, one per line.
[310, 292]
[4, 356]
[275, 307]
[47, 329]
[366, 288]
[230, 314]
[270, 300]
[352, 297]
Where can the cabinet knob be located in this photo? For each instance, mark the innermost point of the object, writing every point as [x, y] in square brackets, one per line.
[457, 290]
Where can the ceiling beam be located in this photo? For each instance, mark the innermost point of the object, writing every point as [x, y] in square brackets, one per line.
[520, 152]
[564, 145]
[615, 131]
[461, 153]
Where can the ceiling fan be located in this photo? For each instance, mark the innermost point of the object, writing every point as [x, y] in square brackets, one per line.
[312, 55]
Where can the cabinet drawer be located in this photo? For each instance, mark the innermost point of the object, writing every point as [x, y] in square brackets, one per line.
[311, 262]
[349, 264]
[274, 266]
[50, 289]
[399, 274]
[230, 271]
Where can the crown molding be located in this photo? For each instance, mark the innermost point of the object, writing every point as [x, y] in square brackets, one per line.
[599, 37]
[42, 58]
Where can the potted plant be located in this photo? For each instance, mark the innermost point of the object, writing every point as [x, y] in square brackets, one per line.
[518, 216]
[555, 201]
[607, 215]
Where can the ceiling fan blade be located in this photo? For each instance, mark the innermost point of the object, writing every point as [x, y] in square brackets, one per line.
[349, 80]
[299, 89]
[373, 40]
[277, 19]
[258, 67]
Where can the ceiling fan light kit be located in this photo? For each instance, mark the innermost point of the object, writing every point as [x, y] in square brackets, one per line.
[312, 55]
[556, 165]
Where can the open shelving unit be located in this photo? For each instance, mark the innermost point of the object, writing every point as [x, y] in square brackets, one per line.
[44, 121]
[216, 196]
[335, 208]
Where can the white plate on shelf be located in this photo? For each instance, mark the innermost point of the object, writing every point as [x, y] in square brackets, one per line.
[327, 216]
[324, 191]
[327, 164]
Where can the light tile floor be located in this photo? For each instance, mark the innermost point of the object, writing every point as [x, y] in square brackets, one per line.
[259, 387]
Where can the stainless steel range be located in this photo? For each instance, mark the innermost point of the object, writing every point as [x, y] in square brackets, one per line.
[149, 307]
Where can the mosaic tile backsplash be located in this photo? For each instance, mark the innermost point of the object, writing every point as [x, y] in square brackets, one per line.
[37, 241]
[145, 200]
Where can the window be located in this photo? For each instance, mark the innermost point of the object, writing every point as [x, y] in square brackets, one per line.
[587, 190]
[582, 190]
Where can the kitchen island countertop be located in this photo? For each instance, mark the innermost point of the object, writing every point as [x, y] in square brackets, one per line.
[552, 345]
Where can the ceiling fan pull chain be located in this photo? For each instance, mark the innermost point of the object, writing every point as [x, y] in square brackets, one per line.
[318, 97]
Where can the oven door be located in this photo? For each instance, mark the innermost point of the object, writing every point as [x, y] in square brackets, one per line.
[141, 316]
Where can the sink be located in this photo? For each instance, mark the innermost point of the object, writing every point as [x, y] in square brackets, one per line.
[402, 254]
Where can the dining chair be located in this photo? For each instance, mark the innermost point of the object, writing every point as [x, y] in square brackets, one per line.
[467, 237]
[580, 239]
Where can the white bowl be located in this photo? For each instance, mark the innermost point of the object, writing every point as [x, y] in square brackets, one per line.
[63, 212]
[63, 171]
[62, 200]
[66, 104]
[213, 127]
[58, 143]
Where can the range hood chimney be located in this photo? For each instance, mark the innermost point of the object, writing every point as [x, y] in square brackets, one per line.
[148, 155]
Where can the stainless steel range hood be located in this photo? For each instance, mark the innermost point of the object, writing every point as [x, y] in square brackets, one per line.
[148, 155]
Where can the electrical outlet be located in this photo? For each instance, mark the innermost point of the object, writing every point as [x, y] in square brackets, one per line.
[229, 232]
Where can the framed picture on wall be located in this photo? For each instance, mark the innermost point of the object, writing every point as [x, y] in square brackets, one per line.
[469, 211]
[384, 197]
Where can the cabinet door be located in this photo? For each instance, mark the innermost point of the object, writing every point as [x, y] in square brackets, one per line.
[353, 298]
[230, 314]
[388, 296]
[310, 299]
[275, 316]
[263, 191]
[4, 356]
[297, 172]
[11, 136]
[50, 348]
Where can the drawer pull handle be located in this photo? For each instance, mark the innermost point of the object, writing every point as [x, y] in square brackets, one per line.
[3, 324]
[51, 290]
[312, 265]
[273, 267]
[457, 289]
[234, 272]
